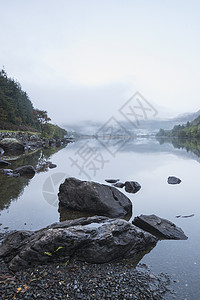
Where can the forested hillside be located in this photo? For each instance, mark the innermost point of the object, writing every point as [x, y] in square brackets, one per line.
[190, 130]
[16, 109]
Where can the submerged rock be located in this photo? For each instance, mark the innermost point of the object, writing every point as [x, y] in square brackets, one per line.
[132, 187]
[188, 216]
[12, 146]
[93, 197]
[93, 240]
[173, 180]
[159, 227]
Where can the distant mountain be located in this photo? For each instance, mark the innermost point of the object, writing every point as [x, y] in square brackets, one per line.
[187, 117]
[143, 127]
[196, 122]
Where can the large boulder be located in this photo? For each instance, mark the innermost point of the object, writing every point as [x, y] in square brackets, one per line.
[12, 146]
[94, 240]
[27, 171]
[93, 197]
[159, 227]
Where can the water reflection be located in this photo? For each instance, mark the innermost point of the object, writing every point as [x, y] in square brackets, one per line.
[13, 187]
[67, 214]
[191, 146]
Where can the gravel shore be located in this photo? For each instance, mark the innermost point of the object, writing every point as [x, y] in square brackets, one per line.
[77, 280]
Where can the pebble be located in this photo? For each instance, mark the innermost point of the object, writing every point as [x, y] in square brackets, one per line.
[79, 280]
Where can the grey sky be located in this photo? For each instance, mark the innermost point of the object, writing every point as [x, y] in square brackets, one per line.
[82, 59]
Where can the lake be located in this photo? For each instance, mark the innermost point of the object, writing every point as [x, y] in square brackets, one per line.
[32, 203]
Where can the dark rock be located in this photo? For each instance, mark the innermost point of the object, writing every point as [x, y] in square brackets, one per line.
[132, 187]
[93, 197]
[119, 184]
[111, 180]
[173, 180]
[12, 146]
[93, 240]
[4, 163]
[51, 166]
[159, 227]
[188, 216]
[27, 170]
[58, 143]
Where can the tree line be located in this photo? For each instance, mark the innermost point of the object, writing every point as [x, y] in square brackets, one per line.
[17, 111]
[190, 130]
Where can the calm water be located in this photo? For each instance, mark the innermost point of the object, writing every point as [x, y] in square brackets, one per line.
[32, 204]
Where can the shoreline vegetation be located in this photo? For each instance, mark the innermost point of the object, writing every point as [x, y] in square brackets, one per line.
[188, 131]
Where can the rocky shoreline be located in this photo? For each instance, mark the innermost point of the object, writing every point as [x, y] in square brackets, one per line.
[85, 281]
[78, 280]
[32, 142]
[73, 278]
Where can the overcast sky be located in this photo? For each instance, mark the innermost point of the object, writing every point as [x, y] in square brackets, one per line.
[82, 59]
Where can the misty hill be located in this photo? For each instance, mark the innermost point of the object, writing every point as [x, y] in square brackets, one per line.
[145, 127]
[187, 117]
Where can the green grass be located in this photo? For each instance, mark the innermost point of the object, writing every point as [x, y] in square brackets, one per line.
[17, 131]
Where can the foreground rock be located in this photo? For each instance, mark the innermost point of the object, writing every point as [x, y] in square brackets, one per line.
[12, 146]
[93, 240]
[132, 187]
[159, 227]
[173, 180]
[27, 170]
[93, 197]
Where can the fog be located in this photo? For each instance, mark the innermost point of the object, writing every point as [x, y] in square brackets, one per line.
[82, 60]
